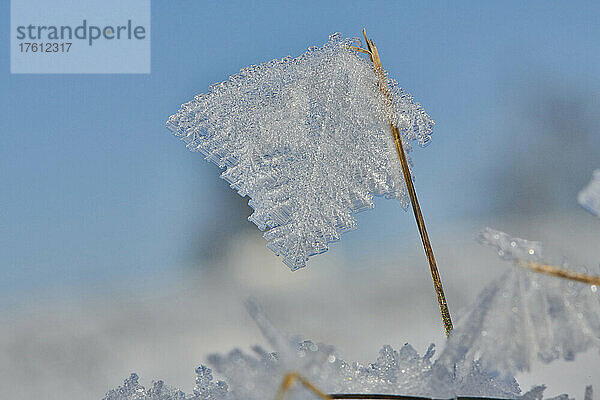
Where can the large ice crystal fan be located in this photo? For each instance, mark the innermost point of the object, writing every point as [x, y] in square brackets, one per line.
[308, 140]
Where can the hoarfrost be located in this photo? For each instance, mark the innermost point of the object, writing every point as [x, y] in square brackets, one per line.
[258, 375]
[589, 197]
[308, 140]
[525, 316]
[519, 318]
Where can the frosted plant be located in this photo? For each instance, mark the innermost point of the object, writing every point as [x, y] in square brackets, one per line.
[132, 390]
[403, 371]
[308, 140]
[545, 317]
[589, 197]
[258, 375]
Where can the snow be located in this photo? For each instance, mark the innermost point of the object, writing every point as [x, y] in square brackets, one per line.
[308, 140]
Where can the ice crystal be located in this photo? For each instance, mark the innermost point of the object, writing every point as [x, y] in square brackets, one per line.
[545, 317]
[132, 390]
[537, 393]
[308, 140]
[404, 371]
[511, 248]
[258, 375]
[589, 197]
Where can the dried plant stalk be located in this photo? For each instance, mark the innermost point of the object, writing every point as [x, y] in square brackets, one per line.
[293, 377]
[437, 282]
[559, 272]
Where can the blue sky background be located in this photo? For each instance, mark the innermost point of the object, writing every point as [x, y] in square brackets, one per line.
[94, 189]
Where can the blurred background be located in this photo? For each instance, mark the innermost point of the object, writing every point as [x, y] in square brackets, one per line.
[122, 251]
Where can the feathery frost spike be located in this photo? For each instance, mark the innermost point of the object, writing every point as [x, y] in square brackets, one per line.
[308, 140]
[589, 197]
[545, 317]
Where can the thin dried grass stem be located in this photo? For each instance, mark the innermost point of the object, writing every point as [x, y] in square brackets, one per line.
[559, 272]
[435, 276]
[437, 281]
[290, 379]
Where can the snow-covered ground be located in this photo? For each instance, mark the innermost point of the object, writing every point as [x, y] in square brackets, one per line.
[80, 346]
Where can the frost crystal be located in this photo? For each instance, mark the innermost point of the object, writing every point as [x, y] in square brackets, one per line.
[511, 248]
[589, 197]
[308, 140]
[545, 317]
[257, 376]
[132, 390]
[403, 371]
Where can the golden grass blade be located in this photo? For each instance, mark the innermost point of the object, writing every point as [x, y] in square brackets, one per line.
[293, 377]
[435, 276]
[437, 282]
[559, 272]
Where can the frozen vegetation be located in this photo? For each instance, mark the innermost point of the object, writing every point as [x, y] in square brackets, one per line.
[519, 319]
[258, 375]
[307, 139]
[404, 371]
[524, 316]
